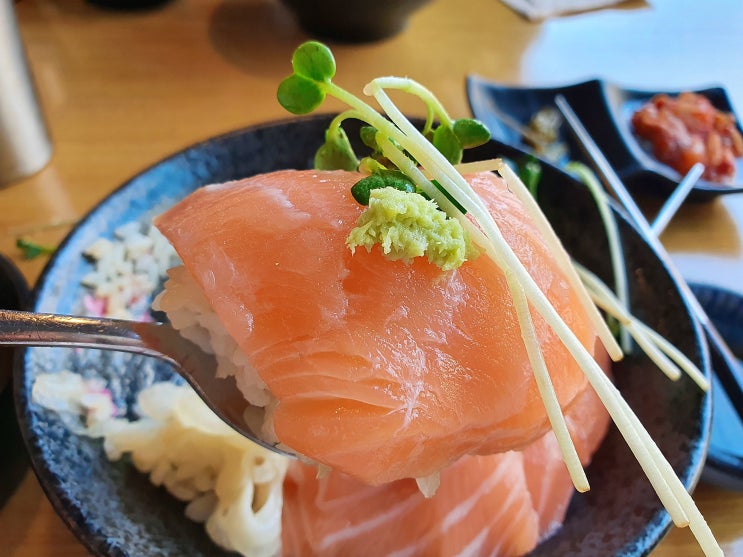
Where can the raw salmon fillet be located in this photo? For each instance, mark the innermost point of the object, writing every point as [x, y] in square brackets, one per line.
[547, 478]
[481, 508]
[496, 505]
[380, 369]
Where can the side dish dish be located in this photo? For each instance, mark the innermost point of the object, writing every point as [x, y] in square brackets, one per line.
[688, 129]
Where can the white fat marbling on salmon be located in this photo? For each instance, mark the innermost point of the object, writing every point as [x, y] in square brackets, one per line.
[373, 523]
[463, 510]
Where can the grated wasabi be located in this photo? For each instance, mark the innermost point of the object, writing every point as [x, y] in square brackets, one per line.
[407, 225]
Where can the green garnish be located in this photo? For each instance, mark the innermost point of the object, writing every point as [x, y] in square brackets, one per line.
[449, 196]
[530, 172]
[471, 133]
[314, 68]
[313, 65]
[361, 190]
[336, 153]
[408, 226]
[389, 165]
[32, 250]
[368, 135]
[619, 269]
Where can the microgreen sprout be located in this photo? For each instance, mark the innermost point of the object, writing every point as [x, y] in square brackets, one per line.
[530, 172]
[337, 153]
[586, 175]
[32, 250]
[303, 91]
[361, 190]
[306, 89]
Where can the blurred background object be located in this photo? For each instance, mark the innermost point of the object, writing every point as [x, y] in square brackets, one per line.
[535, 10]
[24, 143]
[128, 4]
[14, 294]
[353, 21]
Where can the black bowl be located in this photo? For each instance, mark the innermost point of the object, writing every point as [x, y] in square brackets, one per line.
[506, 109]
[115, 511]
[724, 466]
[14, 294]
[605, 110]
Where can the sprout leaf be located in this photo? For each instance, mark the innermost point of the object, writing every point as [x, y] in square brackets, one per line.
[361, 190]
[314, 61]
[300, 95]
[447, 142]
[471, 133]
[336, 153]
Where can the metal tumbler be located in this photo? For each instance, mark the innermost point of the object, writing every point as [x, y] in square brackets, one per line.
[24, 142]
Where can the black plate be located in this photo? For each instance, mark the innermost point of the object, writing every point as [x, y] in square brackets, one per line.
[501, 106]
[724, 465]
[115, 511]
[635, 165]
[605, 110]
[14, 294]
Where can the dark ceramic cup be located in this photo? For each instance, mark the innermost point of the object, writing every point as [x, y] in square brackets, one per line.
[353, 21]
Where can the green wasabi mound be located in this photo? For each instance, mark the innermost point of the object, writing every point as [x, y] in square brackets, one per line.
[407, 225]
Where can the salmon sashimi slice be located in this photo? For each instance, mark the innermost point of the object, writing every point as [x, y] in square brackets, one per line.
[481, 508]
[383, 370]
[500, 505]
[547, 478]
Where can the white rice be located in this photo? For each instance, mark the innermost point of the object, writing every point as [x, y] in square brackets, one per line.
[127, 269]
[192, 316]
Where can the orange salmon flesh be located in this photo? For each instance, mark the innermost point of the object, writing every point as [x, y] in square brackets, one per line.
[381, 370]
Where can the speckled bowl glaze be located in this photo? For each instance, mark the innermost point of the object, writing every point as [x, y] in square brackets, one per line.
[115, 511]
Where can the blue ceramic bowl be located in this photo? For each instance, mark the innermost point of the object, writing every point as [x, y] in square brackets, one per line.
[115, 511]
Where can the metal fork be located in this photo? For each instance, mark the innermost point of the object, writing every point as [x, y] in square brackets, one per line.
[157, 340]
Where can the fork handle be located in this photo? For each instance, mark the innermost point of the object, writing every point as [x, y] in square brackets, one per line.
[24, 328]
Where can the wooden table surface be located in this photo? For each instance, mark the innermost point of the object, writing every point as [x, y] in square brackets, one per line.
[123, 89]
